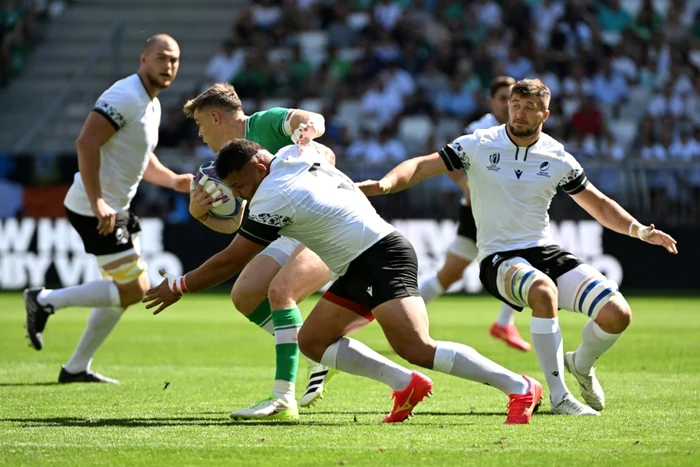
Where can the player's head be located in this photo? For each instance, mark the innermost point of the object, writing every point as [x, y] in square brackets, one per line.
[213, 111]
[500, 95]
[160, 61]
[529, 107]
[243, 165]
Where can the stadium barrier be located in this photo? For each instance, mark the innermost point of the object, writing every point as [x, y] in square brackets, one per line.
[45, 251]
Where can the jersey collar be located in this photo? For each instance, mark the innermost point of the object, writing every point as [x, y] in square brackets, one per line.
[517, 148]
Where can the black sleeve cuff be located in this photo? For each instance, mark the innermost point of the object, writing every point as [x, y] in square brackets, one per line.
[106, 115]
[451, 159]
[576, 185]
[262, 234]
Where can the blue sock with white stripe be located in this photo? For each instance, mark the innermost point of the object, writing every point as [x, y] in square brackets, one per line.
[594, 343]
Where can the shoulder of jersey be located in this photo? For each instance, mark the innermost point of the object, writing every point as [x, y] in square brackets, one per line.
[551, 145]
[488, 134]
[130, 86]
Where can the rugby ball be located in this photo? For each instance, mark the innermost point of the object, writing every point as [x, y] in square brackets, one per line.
[228, 205]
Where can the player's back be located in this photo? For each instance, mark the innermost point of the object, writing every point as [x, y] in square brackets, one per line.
[128, 107]
[318, 205]
[270, 128]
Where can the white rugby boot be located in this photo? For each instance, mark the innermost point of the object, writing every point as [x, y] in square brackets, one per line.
[270, 408]
[570, 406]
[591, 390]
[319, 375]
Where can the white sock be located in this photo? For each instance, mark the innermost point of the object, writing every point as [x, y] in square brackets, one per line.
[465, 362]
[99, 326]
[505, 317]
[430, 288]
[354, 357]
[103, 293]
[284, 390]
[546, 338]
[595, 342]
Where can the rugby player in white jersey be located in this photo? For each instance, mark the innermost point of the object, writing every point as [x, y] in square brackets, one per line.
[285, 272]
[463, 251]
[115, 151]
[514, 171]
[298, 194]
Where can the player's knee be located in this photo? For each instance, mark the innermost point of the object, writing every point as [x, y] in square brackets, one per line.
[542, 296]
[280, 294]
[243, 302]
[310, 345]
[132, 292]
[615, 316]
[420, 352]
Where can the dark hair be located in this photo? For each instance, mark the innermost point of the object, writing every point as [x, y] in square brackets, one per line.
[234, 156]
[221, 95]
[532, 88]
[500, 82]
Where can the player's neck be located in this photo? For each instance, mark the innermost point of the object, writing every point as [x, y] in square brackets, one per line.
[238, 125]
[152, 91]
[523, 141]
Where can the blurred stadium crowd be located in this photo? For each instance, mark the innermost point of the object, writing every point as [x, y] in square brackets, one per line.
[400, 78]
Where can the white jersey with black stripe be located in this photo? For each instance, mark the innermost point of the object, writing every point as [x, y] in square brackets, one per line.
[512, 187]
[124, 157]
[305, 198]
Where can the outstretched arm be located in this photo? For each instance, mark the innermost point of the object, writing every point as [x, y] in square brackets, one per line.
[616, 218]
[217, 269]
[405, 175]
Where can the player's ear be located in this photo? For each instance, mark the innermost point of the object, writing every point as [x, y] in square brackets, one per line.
[546, 115]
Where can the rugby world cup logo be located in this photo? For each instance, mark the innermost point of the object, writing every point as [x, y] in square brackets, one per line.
[494, 159]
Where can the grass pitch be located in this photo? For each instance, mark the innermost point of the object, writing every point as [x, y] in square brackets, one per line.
[215, 361]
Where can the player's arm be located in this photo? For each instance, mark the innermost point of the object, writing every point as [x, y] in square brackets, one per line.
[459, 178]
[298, 119]
[97, 130]
[160, 175]
[453, 157]
[251, 239]
[217, 269]
[201, 202]
[606, 211]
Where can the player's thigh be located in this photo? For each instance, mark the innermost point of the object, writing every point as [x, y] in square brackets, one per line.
[128, 271]
[251, 287]
[405, 324]
[586, 290]
[518, 283]
[327, 322]
[303, 274]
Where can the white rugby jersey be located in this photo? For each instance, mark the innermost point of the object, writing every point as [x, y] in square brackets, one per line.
[124, 158]
[306, 198]
[512, 187]
[487, 121]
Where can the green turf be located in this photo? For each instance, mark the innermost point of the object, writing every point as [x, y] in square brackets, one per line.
[216, 361]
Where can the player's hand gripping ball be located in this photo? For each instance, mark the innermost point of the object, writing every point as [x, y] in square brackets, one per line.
[225, 205]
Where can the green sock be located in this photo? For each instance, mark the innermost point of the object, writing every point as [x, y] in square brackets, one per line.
[262, 317]
[287, 322]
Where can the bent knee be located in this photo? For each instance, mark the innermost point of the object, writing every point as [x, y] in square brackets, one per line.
[132, 292]
[310, 345]
[421, 354]
[615, 316]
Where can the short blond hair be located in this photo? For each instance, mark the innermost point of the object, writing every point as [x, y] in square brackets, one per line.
[532, 87]
[221, 95]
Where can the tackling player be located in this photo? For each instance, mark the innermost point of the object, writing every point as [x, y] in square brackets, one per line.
[297, 193]
[514, 171]
[115, 151]
[285, 272]
[463, 251]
